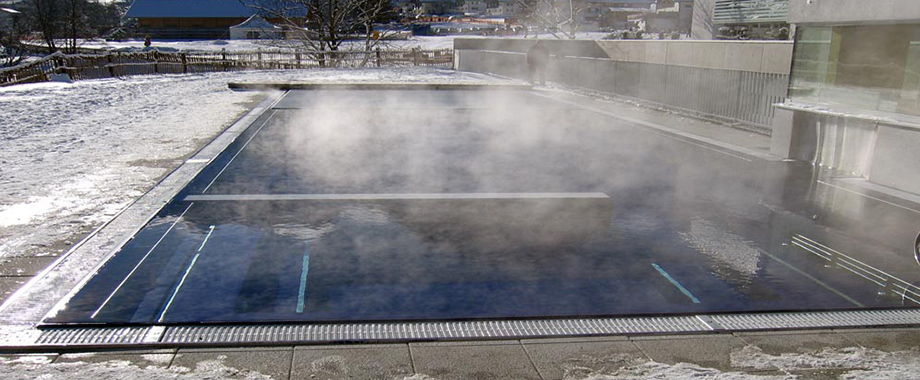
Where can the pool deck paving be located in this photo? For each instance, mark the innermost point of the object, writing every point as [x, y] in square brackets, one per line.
[555, 358]
[543, 359]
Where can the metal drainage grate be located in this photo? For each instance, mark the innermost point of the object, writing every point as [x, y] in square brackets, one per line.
[98, 335]
[370, 332]
[433, 330]
[861, 318]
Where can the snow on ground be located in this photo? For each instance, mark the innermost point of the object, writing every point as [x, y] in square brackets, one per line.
[74, 154]
[849, 363]
[423, 42]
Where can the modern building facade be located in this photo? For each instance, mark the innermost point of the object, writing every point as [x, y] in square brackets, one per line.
[854, 99]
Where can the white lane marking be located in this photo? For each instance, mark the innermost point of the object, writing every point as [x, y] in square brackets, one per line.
[208, 236]
[676, 283]
[868, 196]
[176, 291]
[434, 196]
[305, 269]
[122, 283]
[240, 151]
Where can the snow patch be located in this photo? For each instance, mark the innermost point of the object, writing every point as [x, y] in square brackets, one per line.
[75, 154]
[119, 369]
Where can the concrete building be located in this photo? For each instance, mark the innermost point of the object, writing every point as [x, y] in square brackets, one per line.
[473, 7]
[855, 90]
[505, 8]
[754, 19]
[703, 27]
[436, 7]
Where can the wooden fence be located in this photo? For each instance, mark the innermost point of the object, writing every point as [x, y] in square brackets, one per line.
[95, 66]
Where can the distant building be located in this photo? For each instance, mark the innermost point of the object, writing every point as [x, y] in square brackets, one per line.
[255, 28]
[652, 15]
[755, 19]
[436, 7]
[190, 19]
[505, 8]
[473, 7]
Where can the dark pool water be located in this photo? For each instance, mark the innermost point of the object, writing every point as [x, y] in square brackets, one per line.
[435, 205]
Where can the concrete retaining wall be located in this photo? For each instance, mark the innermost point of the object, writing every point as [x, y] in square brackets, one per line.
[774, 57]
[734, 80]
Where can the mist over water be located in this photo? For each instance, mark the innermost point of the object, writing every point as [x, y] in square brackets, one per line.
[650, 225]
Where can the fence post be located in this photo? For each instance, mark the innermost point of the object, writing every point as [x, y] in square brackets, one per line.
[60, 66]
[111, 68]
[297, 57]
[184, 63]
[378, 56]
[259, 54]
[415, 57]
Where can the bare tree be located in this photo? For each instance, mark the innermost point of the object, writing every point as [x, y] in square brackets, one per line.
[45, 16]
[556, 17]
[323, 26]
[12, 52]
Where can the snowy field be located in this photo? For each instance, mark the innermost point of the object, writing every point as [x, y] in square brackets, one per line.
[422, 42]
[75, 154]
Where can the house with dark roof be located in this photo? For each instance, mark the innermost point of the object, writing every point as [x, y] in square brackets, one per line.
[195, 19]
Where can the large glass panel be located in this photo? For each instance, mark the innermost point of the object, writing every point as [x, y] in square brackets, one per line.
[867, 66]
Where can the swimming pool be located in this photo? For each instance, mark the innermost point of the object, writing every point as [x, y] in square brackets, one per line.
[445, 205]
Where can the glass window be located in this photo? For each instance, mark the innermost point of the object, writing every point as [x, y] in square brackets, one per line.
[867, 66]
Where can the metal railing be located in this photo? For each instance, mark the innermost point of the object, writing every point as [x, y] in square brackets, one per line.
[744, 96]
[95, 66]
[888, 282]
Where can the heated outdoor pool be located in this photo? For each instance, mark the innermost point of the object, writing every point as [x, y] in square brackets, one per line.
[410, 205]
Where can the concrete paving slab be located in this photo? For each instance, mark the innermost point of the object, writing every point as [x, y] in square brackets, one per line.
[24, 266]
[570, 359]
[890, 340]
[708, 351]
[141, 359]
[238, 349]
[9, 285]
[274, 362]
[777, 344]
[472, 362]
[359, 362]
[469, 343]
[575, 339]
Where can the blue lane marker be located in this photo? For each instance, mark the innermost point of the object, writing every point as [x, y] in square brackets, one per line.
[301, 297]
[677, 284]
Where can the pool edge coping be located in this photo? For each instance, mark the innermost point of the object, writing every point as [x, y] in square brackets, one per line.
[53, 286]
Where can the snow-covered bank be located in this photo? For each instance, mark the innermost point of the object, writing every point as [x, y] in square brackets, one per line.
[847, 363]
[72, 155]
